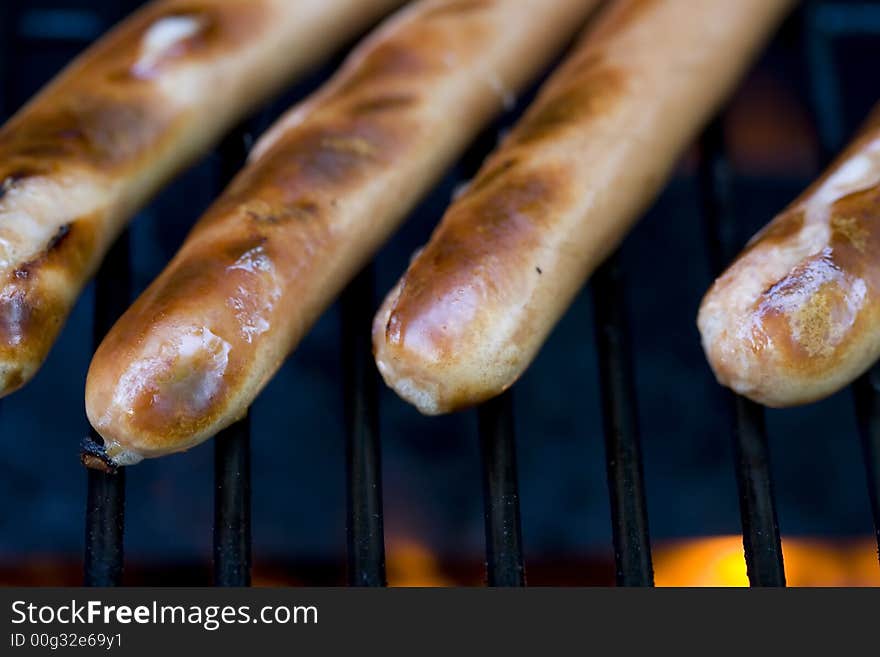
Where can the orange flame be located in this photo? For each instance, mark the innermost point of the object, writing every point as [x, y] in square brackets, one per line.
[720, 561]
[412, 564]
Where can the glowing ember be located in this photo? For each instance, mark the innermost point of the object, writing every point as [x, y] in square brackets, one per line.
[411, 564]
[720, 561]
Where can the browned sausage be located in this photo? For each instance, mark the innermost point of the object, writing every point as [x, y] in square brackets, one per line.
[797, 316]
[550, 204]
[323, 190]
[143, 102]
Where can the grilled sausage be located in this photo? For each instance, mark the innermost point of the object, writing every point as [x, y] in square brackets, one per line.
[797, 316]
[96, 143]
[321, 193]
[552, 202]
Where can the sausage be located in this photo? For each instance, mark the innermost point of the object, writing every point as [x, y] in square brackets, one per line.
[796, 317]
[139, 105]
[598, 143]
[322, 191]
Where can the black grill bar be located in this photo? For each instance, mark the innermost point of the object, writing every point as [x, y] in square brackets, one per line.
[761, 540]
[824, 23]
[867, 398]
[629, 515]
[364, 526]
[105, 506]
[504, 553]
[232, 505]
[105, 524]
[232, 446]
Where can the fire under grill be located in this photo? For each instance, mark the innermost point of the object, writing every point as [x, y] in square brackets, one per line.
[824, 25]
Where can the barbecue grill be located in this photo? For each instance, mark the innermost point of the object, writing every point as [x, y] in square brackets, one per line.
[824, 25]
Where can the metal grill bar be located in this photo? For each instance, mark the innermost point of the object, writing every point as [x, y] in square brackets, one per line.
[867, 399]
[824, 23]
[105, 524]
[501, 509]
[232, 505]
[761, 540]
[232, 447]
[365, 532]
[629, 515]
[105, 506]
[504, 554]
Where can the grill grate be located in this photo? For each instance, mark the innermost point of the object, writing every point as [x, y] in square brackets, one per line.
[824, 23]
[366, 536]
[504, 556]
[761, 540]
[105, 506]
[827, 23]
[629, 514]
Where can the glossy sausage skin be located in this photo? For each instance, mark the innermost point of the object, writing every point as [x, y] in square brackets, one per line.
[323, 190]
[555, 199]
[143, 102]
[796, 316]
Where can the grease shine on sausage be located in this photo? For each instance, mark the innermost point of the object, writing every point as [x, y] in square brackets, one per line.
[323, 190]
[553, 201]
[795, 318]
[143, 102]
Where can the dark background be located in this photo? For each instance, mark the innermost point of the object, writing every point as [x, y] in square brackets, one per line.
[431, 466]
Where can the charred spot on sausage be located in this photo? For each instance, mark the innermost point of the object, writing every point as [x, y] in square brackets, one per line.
[58, 237]
[9, 181]
[385, 103]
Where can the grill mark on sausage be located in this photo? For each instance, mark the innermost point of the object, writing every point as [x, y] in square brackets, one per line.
[458, 7]
[855, 235]
[389, 60]
[485, 180]
[622, 16]
[58, 237]
[5, 186]
[105, 133]
[31, 312]
[295, 181]
[590, 95]
[388, 102]
[324, 156]
[63, 247]
[262, 213]
[15, 176]
[55, 243]
[473, 252]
